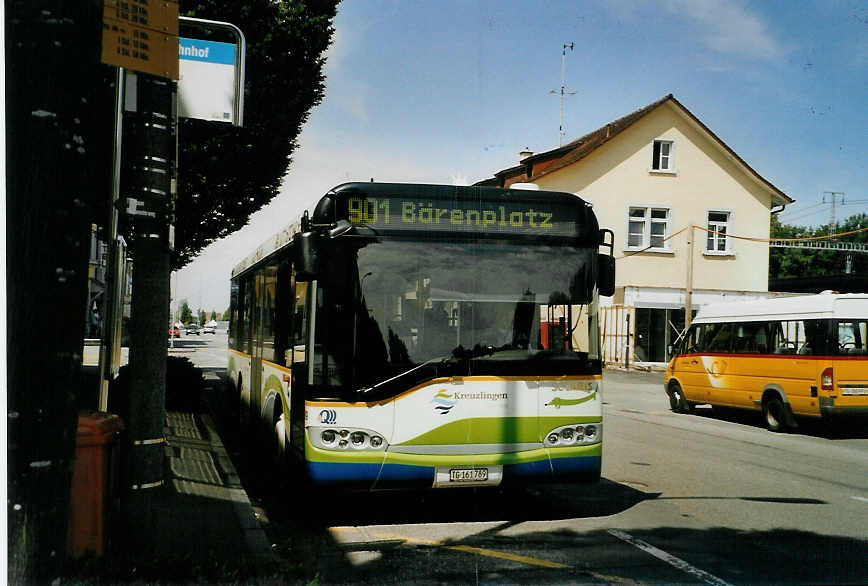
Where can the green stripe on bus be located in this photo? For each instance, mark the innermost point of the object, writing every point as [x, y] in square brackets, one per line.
[495, 430]
[355, 457]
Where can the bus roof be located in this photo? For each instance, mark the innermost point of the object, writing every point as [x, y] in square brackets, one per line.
[566, 208]
[823, 305]
[276, 242]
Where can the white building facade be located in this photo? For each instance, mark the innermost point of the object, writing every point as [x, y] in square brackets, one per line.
[689, 215]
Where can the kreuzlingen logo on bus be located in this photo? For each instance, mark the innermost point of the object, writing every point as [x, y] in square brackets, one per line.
[444, 401]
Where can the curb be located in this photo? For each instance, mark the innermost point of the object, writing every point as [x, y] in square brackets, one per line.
[255, 538]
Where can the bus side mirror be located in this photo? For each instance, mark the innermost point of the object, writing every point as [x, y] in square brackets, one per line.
[606, 275]
[307, 256]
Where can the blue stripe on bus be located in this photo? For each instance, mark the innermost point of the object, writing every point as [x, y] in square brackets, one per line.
[328, 472]
[353, 473]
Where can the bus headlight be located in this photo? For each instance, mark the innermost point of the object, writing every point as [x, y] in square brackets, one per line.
[341, 439]
[574, 435]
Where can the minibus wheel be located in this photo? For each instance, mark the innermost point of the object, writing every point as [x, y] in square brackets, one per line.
[677, 402]
[774, 414]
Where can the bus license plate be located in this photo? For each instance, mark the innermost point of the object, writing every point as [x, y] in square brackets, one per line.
[468, 475]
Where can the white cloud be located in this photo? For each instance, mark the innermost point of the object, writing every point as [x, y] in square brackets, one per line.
[459, 178]
[729, 27]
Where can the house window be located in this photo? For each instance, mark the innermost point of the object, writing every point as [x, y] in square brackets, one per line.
[647, 227]
[662, 159]
[718, 228]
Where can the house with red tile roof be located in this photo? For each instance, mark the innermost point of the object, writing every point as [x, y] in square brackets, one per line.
[691, 220]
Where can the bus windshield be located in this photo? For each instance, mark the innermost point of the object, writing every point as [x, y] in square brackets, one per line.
[415, 310]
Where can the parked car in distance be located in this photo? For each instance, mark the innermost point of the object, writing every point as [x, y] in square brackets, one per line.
[206, 329]
[193, 329]
[174, 332]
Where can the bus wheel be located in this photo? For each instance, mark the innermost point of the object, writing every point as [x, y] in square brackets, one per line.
[280, 450]
[774, 414]
[676, 399]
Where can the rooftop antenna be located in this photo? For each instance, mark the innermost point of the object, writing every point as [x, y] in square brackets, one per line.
[563, 91]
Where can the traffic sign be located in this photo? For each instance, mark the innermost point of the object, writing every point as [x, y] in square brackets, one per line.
[141, 35]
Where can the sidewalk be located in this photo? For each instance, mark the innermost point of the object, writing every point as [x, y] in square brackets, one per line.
[203, 512]
[202, 515]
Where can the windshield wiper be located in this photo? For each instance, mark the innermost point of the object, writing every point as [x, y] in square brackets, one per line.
[383, 384]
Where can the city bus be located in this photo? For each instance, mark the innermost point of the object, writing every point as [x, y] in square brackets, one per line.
[426, 336]
[788, 357]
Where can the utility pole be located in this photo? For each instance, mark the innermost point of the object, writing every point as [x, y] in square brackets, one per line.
[149, 187]
[832, 197]
[688, 292]
[563, 91]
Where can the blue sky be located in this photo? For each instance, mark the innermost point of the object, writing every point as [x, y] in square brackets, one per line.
[451, 91]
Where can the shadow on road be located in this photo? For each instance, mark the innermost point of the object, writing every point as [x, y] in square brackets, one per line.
[836, 429]
[666, 555]
[376, 541]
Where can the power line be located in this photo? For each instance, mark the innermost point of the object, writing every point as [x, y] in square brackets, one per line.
[808, 242]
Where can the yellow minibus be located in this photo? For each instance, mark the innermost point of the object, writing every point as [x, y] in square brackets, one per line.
[801, 356]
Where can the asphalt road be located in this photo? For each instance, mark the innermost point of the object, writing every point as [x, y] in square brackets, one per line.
[701, 498]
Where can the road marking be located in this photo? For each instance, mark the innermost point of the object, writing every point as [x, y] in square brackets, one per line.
[668, 558]
[467, 549]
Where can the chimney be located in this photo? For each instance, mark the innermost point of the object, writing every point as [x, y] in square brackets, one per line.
[524, 154]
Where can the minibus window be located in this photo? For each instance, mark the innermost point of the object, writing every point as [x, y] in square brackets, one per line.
[852, 338]
[751, 338]
[691, 340]
[717, 338]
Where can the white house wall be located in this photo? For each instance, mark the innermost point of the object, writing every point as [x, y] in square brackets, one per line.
[618, 174]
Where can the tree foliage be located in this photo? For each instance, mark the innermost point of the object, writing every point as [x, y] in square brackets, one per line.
[227, 173]
[799, 262]
[186, 314]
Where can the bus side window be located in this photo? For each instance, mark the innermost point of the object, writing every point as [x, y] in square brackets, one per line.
[297, 327]
[268, 297]
[718, 338]
[283, 298]
[852, 338]
[691, 341]
[788, 337]
[750, 338]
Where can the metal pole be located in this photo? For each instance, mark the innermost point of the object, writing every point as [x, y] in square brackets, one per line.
[563, 90]
[688, 293]
[627, 353]
[108, 321]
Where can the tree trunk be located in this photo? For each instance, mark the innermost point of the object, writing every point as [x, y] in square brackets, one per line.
[48, 225]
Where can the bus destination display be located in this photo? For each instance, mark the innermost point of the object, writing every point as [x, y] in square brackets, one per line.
[519, 217]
